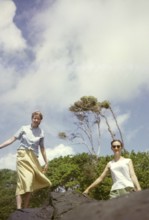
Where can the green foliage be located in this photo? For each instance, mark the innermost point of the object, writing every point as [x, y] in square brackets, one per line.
[62, 135]
[86, 103]
[64, 172]
[141, 166]
[72, 173]
[7, 192]
[105, 104]
[101, 192]
[40, 197]
[82, 169]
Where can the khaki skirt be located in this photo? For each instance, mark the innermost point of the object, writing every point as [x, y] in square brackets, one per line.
[121, 192]
[29, 173]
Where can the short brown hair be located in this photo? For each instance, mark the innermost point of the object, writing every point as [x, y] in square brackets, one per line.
[118, 141]
[37, 113]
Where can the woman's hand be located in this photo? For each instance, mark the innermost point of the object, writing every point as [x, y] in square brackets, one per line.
[139, 189]
[86, 191]
[45, 168]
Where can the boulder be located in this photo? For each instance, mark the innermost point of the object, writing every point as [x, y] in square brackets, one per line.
[133, 206]
[75, 206]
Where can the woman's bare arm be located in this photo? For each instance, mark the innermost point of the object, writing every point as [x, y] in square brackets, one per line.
[133, 176]
[8, 142]
[98, 180]
[43, 152]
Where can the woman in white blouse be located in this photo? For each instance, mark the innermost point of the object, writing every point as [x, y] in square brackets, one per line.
[30, 175]
[122, 172]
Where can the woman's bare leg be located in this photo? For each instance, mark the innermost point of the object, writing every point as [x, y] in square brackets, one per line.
[27, 199]
[19, 201]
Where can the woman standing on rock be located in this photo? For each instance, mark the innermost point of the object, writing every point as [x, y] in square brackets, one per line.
[122, 172]
[30, 175]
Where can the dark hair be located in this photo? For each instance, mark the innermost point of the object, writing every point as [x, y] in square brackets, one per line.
[118, 141]
[37, 113]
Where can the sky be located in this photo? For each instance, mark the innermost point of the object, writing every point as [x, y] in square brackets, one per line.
[53, 52]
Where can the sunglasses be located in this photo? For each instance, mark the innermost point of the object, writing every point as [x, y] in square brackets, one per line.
[114, 146]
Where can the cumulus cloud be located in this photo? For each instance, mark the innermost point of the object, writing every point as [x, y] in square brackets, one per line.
[58, 151]
[9, 161]
[11, 39]
[72, 49]
[94, 46]
[85, 47]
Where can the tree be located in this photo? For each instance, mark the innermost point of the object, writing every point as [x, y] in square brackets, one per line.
[7, 192]
[72, 173]
[89, 112]
[77, 172]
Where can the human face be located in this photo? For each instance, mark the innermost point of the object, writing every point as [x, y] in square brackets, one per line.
[116, 146]
[36, 121]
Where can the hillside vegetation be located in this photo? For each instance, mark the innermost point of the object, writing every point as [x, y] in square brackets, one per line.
[70, 173]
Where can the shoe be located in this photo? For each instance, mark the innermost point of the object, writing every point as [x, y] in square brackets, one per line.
[21, 210]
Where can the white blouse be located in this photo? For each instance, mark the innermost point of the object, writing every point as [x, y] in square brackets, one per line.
[30, 137]
[120, 174]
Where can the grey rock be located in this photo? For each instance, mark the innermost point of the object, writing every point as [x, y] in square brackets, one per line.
[75, 206]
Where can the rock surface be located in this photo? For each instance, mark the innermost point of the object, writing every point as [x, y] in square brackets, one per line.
[74, 206]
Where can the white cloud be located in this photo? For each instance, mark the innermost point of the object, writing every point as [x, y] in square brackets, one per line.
[75, 48]
[83, 48]
[9, 160]
[11, 38]
[58, 151]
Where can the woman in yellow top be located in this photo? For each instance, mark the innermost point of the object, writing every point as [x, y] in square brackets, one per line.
[122, 172]
[30, 175]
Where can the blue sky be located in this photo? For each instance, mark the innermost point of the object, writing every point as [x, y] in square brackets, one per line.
[53, 52]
